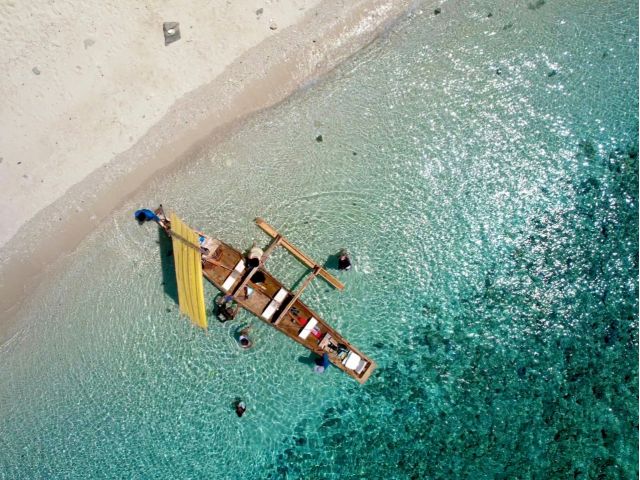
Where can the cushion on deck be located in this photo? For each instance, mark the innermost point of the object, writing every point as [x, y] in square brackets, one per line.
[352, 361]
[231, 279]
[271, 308]
[360, 368]
[274, 304]
[281, 295]
[307, 328]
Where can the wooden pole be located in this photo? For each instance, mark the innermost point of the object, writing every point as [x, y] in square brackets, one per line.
[301, 256]
[306, 283]
[276, 241]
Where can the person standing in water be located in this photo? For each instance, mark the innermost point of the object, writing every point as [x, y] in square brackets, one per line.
[226, 308]
[240, 408]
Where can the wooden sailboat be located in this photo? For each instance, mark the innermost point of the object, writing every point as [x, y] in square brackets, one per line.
[245, 280]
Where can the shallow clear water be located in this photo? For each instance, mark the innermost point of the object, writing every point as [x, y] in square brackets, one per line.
[482, 170]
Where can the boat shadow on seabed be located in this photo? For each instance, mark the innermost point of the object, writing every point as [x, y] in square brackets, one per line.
[169, 283]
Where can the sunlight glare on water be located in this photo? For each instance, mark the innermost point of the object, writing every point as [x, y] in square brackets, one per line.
[481, 167]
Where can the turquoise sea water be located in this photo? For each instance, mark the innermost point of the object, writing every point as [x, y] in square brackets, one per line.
[482, 167]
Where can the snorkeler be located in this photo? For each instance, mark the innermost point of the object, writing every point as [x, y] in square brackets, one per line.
[243, 338]
[240, 408]
[344, 262]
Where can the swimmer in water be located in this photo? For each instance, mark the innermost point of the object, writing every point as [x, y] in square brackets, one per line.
[344, 262]
[243, 339]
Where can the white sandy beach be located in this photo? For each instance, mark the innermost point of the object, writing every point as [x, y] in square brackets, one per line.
[95, 104]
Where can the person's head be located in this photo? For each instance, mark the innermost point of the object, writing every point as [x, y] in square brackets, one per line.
[245, 342]
[253, 262]
[258, 277]
[140, 217]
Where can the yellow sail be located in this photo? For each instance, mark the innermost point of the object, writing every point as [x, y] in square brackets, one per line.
[186, 254]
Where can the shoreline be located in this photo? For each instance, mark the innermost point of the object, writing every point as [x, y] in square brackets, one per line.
[260, 78]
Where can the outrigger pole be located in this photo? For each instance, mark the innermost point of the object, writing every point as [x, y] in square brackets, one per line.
[302, 257]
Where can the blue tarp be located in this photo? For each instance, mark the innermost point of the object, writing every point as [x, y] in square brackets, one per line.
[145, 214]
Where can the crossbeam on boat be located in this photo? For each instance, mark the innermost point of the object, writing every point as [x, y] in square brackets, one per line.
[276, 241]
[249, 276]
[294, 299]
[301, 256]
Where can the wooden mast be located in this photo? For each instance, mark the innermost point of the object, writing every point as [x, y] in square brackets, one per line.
[302, 257]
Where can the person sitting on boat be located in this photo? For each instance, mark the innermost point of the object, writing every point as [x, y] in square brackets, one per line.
[344, 263]
[258, 277]
[203, 250]
[248, 291]
[341, 349]
[254, 256]
[243, 338]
